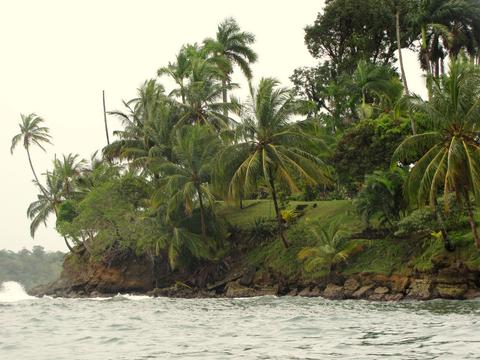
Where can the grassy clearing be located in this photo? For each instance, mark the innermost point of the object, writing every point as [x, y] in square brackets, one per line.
[384, 256]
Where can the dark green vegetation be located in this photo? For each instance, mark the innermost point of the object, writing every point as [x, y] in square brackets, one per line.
[345, 172]
[30, 268]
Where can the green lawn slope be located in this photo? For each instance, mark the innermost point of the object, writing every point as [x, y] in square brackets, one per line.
[388, 255]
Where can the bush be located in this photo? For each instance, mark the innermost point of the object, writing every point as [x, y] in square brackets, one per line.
[261, 230]
[423, 221]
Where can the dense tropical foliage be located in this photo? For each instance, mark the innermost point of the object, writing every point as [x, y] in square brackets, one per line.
[188, 158]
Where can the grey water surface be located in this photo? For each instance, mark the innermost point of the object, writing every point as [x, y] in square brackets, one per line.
[136, 327]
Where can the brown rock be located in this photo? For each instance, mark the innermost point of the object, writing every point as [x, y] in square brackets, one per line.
[420, 289]
[472, 294]
[234, 290]
[315, 292]
[293, 292]
[394, 297]
[305, 292]
[248, 276]
[350, 286]
[333, 292]
[451, 291]
[362, 292]
[399, 283]
[376, 297]
[382, 290]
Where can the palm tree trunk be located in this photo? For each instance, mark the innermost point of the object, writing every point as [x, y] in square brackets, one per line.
[400, 57]
[202, 213]
[443, 229]
[225, 97]
[35, 174]
[105, 117]
[69, 246]
[471, 220]
[427, 62]
[402, 69]
[277, 213]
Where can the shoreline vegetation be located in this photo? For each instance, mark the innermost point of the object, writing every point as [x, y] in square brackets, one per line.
[346, 185]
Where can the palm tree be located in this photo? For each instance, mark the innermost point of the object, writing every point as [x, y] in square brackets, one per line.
[438, 16]
[32, 133]
[179, 71]
[185, 179]
[332, 248]
[47, 203]
[202, 96]
[448, 157]
[175, 238]
[69, 168]
[148, 122]
[382, 194]
[373, 82]
[235, 46]
[272, 147]
[401, 6]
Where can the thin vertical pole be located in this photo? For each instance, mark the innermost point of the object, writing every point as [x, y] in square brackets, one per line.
[105, 117]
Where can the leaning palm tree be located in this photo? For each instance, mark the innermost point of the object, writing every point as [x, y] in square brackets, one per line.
[185, 179]
[32, 133]
[448, 157]
[235, 46]
[273, 148]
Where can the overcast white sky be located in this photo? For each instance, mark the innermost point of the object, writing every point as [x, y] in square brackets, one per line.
[57, 56]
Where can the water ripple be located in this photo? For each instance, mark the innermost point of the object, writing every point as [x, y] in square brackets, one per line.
[132, 327]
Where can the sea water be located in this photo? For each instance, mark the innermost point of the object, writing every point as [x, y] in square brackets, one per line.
[140, 327]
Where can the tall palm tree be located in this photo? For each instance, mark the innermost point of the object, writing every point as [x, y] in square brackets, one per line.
[448, 157]
[433, 15]
[185, 179]
[273, 148]
[203, 93]
[235, 46]
[32, 133]
[401, 8]
[179, 71]
[148, 122]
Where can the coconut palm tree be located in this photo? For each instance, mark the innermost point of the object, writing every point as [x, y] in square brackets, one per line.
[148, 122]
[32, 133]
[235, 46]
[47, 203]
[203, 104]
[273, 148]
[179, 71]
[69, 168]
[332, 248]
[184, 181]
[448, 157]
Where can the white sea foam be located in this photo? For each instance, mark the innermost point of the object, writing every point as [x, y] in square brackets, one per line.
[133, 297]
[11, 291]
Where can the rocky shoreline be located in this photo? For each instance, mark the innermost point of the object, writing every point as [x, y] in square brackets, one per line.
[455, 281]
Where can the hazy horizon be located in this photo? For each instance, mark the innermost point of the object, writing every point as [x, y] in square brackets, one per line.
[59, 56]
